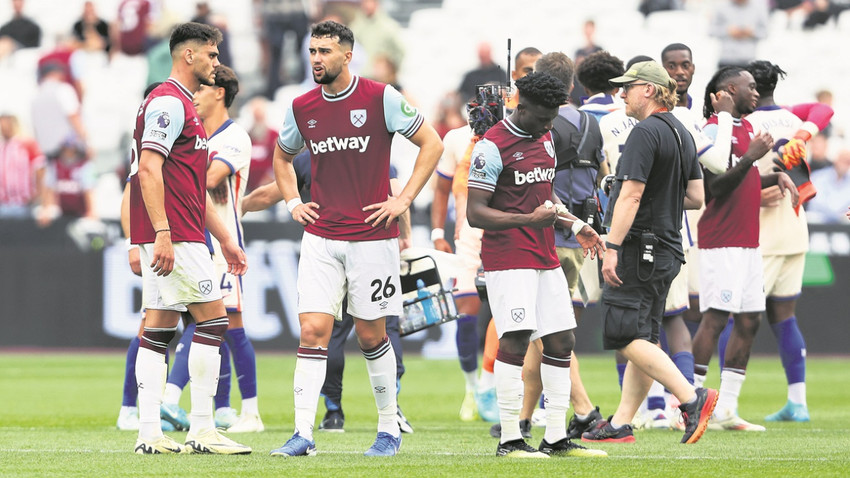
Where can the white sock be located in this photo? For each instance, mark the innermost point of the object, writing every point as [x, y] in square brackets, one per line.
[486, 381]
[249, 406]
[699, 380]
[204, 363]
[172, 394]
[151, 372]
[471, 380]
[797, 393]
[730, 387]
[307, 385]
[556, 390]
[381, 365]
[509, 393]
[656, 390]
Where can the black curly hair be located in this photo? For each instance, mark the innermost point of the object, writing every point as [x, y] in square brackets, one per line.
[542, 89]
[595, 71]
[767, 75]
[331, 29]
[718, 82]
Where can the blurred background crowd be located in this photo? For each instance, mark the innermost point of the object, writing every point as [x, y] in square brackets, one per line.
[72, 73]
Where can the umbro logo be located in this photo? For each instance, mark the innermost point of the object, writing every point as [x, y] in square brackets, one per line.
[518, 156]
[311, 123]
[380, 389]
[383, 305]
[298, 391]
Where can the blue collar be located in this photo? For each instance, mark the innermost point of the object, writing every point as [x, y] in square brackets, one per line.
[222, 127]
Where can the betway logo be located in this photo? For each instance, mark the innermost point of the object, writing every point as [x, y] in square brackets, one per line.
[340, 144]
[536, 175]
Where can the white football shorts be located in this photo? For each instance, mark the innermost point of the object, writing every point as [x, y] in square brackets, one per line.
[192, 281]
[731, 280]
[368, 271]
[530, 299]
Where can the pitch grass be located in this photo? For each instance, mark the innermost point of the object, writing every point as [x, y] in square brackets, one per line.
[58, 412]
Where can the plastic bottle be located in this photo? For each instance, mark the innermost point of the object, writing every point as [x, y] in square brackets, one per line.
[432, 311]
[415, 319]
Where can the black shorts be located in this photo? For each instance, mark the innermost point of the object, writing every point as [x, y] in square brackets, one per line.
[635, 309]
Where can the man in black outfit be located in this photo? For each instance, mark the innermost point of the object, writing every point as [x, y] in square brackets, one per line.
[657, 176]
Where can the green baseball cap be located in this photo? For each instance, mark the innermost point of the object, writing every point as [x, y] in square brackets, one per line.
[648, 71]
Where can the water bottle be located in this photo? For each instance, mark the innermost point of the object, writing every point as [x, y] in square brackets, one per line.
[432, 311]
[415, 318]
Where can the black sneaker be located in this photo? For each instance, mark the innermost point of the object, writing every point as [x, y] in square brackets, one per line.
[576, 427]
[403, 424]
[524, 428]
[604, 431]
[697, 413]
[333, 421]
[565, 447]
[518, 449]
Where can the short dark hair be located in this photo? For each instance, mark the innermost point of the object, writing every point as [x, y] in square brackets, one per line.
[192, 31]
[542, 89]
[767, 75]
[718, 82]
[151, 87]
[530, 50]
[226, 78]
[638, 59]
[595, 71]
[558, 65]
[331, 29]
[676, 47]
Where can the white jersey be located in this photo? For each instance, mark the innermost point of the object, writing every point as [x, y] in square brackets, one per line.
[781, 231]
[615, 127]
[231, 144]
[455, 144]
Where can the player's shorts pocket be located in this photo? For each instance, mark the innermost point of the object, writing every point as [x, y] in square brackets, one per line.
[621, 322]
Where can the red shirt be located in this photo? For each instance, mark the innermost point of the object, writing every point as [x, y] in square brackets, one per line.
[19, 161]
[519, 171]
[168, 124]
[133, 19]
[262, 156]
[733, 221]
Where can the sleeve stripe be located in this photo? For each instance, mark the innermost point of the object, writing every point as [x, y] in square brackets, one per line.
[413, 128]
[444, 175]
[286, 149]
[703, 150]
[219, 158]
[155, 147]
[480, 185]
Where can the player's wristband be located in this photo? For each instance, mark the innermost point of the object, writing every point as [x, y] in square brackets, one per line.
[131, 246]
[577, 226]
[167, 229]
[614, 247]
[437, 233]
[292, 204]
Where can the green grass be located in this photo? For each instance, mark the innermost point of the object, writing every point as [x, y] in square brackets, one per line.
[58, 419]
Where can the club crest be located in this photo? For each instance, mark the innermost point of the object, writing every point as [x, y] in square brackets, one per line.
[518, 315]
[358, 117]
[205, 286]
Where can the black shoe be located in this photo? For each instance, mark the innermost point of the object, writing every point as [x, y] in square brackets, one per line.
[576, 427]
[518, 449]
[403, 424]
[333, 422]
[565, 447]
[697, 413]
[604, 431]
[524, 428]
